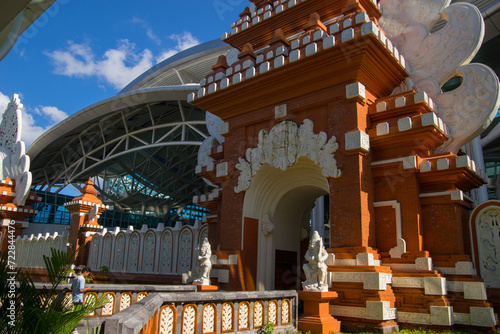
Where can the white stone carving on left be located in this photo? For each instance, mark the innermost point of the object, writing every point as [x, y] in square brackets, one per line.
[15, 164]
[315, 269]
[213, 123]
[435, 58]
[283, 146]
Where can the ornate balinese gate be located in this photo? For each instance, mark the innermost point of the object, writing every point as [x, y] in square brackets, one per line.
[330, 97]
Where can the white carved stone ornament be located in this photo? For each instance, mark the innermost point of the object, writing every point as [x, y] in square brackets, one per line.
[201, 274]
[209, 319]
[227, 317]
[167, 320]
[283, 146]
[267, 226]
[435, 58]
[14, 163]
[213, 126]
[189, 319]
[316, 268]
[243, 316]
[488, 235]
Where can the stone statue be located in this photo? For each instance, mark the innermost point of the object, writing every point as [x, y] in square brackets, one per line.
[201, 274]
[14, 163]
[316, 268]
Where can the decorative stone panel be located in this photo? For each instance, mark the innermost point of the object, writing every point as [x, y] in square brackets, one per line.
[283, 146]
[189, 319]
[167, 320]
[435, 285]
[209, 318]
[379, 310]
[474, 290]
[482, 316]
[442, 315]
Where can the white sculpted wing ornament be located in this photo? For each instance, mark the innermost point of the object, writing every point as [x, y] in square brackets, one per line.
[14, 162]
[435, 58]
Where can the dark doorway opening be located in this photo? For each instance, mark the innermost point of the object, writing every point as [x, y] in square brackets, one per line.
[285, 275]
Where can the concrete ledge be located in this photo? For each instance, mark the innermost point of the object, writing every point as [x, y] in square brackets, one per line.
[127, 287]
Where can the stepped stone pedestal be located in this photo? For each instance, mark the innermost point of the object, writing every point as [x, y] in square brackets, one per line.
[317, 318]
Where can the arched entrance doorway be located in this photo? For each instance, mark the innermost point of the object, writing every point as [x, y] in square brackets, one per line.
[282, 201]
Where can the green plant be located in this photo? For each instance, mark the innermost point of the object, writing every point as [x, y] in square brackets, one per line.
[67, 273]
[103, 269]
[29, 310]
[268, 328]
[95, 330]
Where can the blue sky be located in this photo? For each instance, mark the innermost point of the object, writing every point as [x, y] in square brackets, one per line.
[80, 52]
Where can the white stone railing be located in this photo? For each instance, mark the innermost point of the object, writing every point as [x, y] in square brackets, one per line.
[119, 297]
[208, 312]
[30, 250]
[164, 250]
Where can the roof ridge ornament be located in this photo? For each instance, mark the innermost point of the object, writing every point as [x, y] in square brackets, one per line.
[435, 58]
[14, 163]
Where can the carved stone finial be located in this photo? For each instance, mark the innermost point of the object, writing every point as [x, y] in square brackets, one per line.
[221, 64]
[89, 187]
[279, 38]
[246, 12]
[314, 23]
[14, 163]
[316, 268]
[434, 58]
[261, 3]
[247, 52]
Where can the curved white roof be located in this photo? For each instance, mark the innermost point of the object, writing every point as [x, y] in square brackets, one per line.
[142, 143]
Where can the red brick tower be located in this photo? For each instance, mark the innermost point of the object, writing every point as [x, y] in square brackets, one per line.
[305, 97]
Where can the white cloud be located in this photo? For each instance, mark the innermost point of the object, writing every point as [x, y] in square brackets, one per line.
[30, 131]
[31, 119]
[184, 41]
[149, 32]
[53, 113]
[117, 66]
[4, 102]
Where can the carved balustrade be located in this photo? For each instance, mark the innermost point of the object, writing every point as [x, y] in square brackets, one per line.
[164, 250]
[120, 297]
[216, 312]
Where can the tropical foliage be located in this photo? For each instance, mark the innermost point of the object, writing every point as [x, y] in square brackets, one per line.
[26, 309]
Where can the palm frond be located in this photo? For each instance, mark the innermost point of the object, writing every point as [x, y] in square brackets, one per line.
[44, 310]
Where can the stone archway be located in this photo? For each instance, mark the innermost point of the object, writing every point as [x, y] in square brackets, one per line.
[281, 201]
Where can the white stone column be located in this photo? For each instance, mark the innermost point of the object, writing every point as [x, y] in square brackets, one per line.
[477, 155]
[318, 216]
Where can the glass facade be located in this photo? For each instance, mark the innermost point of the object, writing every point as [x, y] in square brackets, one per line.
[492, 169]
[51, 210]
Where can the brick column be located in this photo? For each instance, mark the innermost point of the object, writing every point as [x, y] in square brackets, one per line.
[85, 210]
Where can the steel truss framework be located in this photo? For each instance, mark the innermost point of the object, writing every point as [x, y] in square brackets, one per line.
[144, 156]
